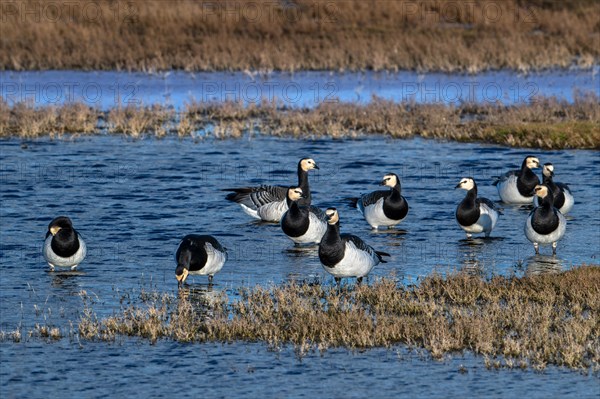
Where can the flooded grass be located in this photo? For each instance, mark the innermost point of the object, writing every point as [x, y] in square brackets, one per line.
[546, 123]
[551, 319]
[302, 35]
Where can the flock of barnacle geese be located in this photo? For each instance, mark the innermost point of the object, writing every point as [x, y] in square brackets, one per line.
[346, 255]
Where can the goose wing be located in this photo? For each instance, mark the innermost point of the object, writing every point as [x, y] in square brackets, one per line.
[255, 197]
[563, 187]
[363, 246]
[372, 198]
[489, 203]
[318, 212]
[505, 177]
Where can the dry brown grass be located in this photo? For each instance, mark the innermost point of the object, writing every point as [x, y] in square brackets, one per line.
[457, 35]
[545, 123]
[514, 322]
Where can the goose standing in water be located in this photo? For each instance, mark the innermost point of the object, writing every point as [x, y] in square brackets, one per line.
[201, 255]
[563, 198]
[268, 203]
[302, 224]
[384, 208]
[63, 246]
[346, 255]
[475, 215]
[516, 186]
[545, 224]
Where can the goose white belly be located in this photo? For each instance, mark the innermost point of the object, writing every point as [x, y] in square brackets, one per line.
[375, 216]
[509, 193]
[249, 211]
[569, 202]
[356, 263]
[487, 221]
[214, 261]
[272, 212]
[316, 230]
[54, 260]
[554, 236]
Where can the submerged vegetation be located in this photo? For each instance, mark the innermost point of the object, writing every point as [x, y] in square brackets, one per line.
[462, 35]
[534, 321]
[544, 123]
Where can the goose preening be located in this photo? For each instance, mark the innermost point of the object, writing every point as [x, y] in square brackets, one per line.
[563, 198]
[268, 203]
[383, 208]
[201, 255]
[545, 224]
[516, 186]
[303, 224]
[63, 246]
[346, 255]
[475, 214]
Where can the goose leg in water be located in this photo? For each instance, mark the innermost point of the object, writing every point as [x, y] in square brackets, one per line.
[554, 244]
[537, 248]
[359, 280]
[210, 279]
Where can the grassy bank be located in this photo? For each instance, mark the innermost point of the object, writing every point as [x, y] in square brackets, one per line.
[460, 35]
[527, 322]
[534, 321]
[545, 123]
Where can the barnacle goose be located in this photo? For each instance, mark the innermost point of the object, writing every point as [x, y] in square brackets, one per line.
[268, 203]
[383, 207]
[346, 255]
[516, 186]
[563, 198]
[302, 224]
[201, 255]
[63, 246]
[473, 214]
[545, 224]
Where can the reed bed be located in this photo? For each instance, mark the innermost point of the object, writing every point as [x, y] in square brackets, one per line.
[546, 123]
[525, 322]
[457, 35]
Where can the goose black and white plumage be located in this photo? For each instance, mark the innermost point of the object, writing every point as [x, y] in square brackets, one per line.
[199, 254]
[475, 214]
[303, 224]
[63, 246]
[563, 198]
[545, 224]
[383, 208]
[346, 255]
[516, 186]
[268, 203]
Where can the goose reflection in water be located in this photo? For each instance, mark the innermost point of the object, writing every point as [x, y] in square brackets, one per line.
[199, 299]
[543, 264]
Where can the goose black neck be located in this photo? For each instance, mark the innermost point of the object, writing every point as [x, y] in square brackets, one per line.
[303, 181]
[332, 235]
[527, 181]
[396, 191]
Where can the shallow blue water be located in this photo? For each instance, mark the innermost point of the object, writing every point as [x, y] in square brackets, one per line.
[105, 89]
[134, 200]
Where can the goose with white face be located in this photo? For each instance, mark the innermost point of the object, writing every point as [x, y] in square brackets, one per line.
[63, 246]
[268, 203]
[383, 208]
[563, 197]
[475, 214]
[199, 255]
[302, 224]
[516, 186]
[545, 225]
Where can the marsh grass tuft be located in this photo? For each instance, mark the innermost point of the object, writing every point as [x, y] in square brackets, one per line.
[544, 123]
[513, 322]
